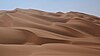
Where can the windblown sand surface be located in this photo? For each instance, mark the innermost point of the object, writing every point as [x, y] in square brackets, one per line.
[28, 32]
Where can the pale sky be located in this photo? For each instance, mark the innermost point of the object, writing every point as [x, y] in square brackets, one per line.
[86, 6]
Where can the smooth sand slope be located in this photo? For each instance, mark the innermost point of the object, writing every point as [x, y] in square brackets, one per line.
[29, 32]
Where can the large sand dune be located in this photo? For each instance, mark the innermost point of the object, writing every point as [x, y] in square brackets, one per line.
[29, 32]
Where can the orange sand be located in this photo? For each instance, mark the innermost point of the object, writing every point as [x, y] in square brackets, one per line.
[28, 32]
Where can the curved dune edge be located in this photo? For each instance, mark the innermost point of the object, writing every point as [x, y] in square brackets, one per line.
[29, 32]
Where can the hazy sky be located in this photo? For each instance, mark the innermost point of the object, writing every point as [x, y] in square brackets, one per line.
[87, 6]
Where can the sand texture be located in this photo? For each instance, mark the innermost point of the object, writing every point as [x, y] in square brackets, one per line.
[29, 32]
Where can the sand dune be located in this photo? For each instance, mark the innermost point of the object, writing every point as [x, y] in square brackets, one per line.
[29, 32]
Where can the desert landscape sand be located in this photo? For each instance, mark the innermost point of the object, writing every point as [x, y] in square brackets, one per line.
[30, 32]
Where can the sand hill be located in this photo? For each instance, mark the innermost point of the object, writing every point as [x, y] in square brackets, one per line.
[29, 32]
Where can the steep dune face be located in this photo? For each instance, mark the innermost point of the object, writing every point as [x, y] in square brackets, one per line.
[29, 32]
[9, 35]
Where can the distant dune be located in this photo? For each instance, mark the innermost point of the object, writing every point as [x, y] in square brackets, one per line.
[29, 32]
